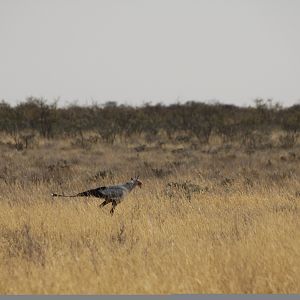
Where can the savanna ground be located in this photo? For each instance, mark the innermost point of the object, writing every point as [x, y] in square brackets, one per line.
[214, 218]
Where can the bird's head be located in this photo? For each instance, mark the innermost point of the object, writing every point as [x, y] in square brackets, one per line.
[136, 181]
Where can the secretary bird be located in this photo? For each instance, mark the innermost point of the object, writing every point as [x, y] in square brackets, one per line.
[111, 194]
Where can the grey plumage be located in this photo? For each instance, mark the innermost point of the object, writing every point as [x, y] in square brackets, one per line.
[112, 194]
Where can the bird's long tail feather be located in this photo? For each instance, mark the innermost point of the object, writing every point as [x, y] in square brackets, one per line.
[90, 193]
[61, 195]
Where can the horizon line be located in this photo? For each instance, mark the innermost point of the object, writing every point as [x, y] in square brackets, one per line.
[76, 102]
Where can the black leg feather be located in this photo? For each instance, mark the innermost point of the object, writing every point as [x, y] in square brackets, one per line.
[104, 203]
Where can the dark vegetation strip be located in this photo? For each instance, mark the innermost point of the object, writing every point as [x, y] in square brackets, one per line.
[192, 119]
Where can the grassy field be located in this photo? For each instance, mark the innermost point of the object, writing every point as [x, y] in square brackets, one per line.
[209, 219]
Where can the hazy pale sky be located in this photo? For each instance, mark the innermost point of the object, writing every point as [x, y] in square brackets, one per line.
[135, 51]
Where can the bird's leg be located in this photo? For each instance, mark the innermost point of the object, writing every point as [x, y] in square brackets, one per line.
[112, 210]
[114, 204]
[104, 203]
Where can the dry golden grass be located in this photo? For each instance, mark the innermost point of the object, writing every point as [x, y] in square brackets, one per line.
[238, 233]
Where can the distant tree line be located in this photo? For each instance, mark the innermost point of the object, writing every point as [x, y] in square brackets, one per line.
[192, 119]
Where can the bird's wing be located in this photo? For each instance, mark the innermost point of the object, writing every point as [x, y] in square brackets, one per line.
[98, 192]
[113, 192]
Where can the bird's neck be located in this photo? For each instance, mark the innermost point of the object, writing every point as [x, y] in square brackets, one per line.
[129, 185]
